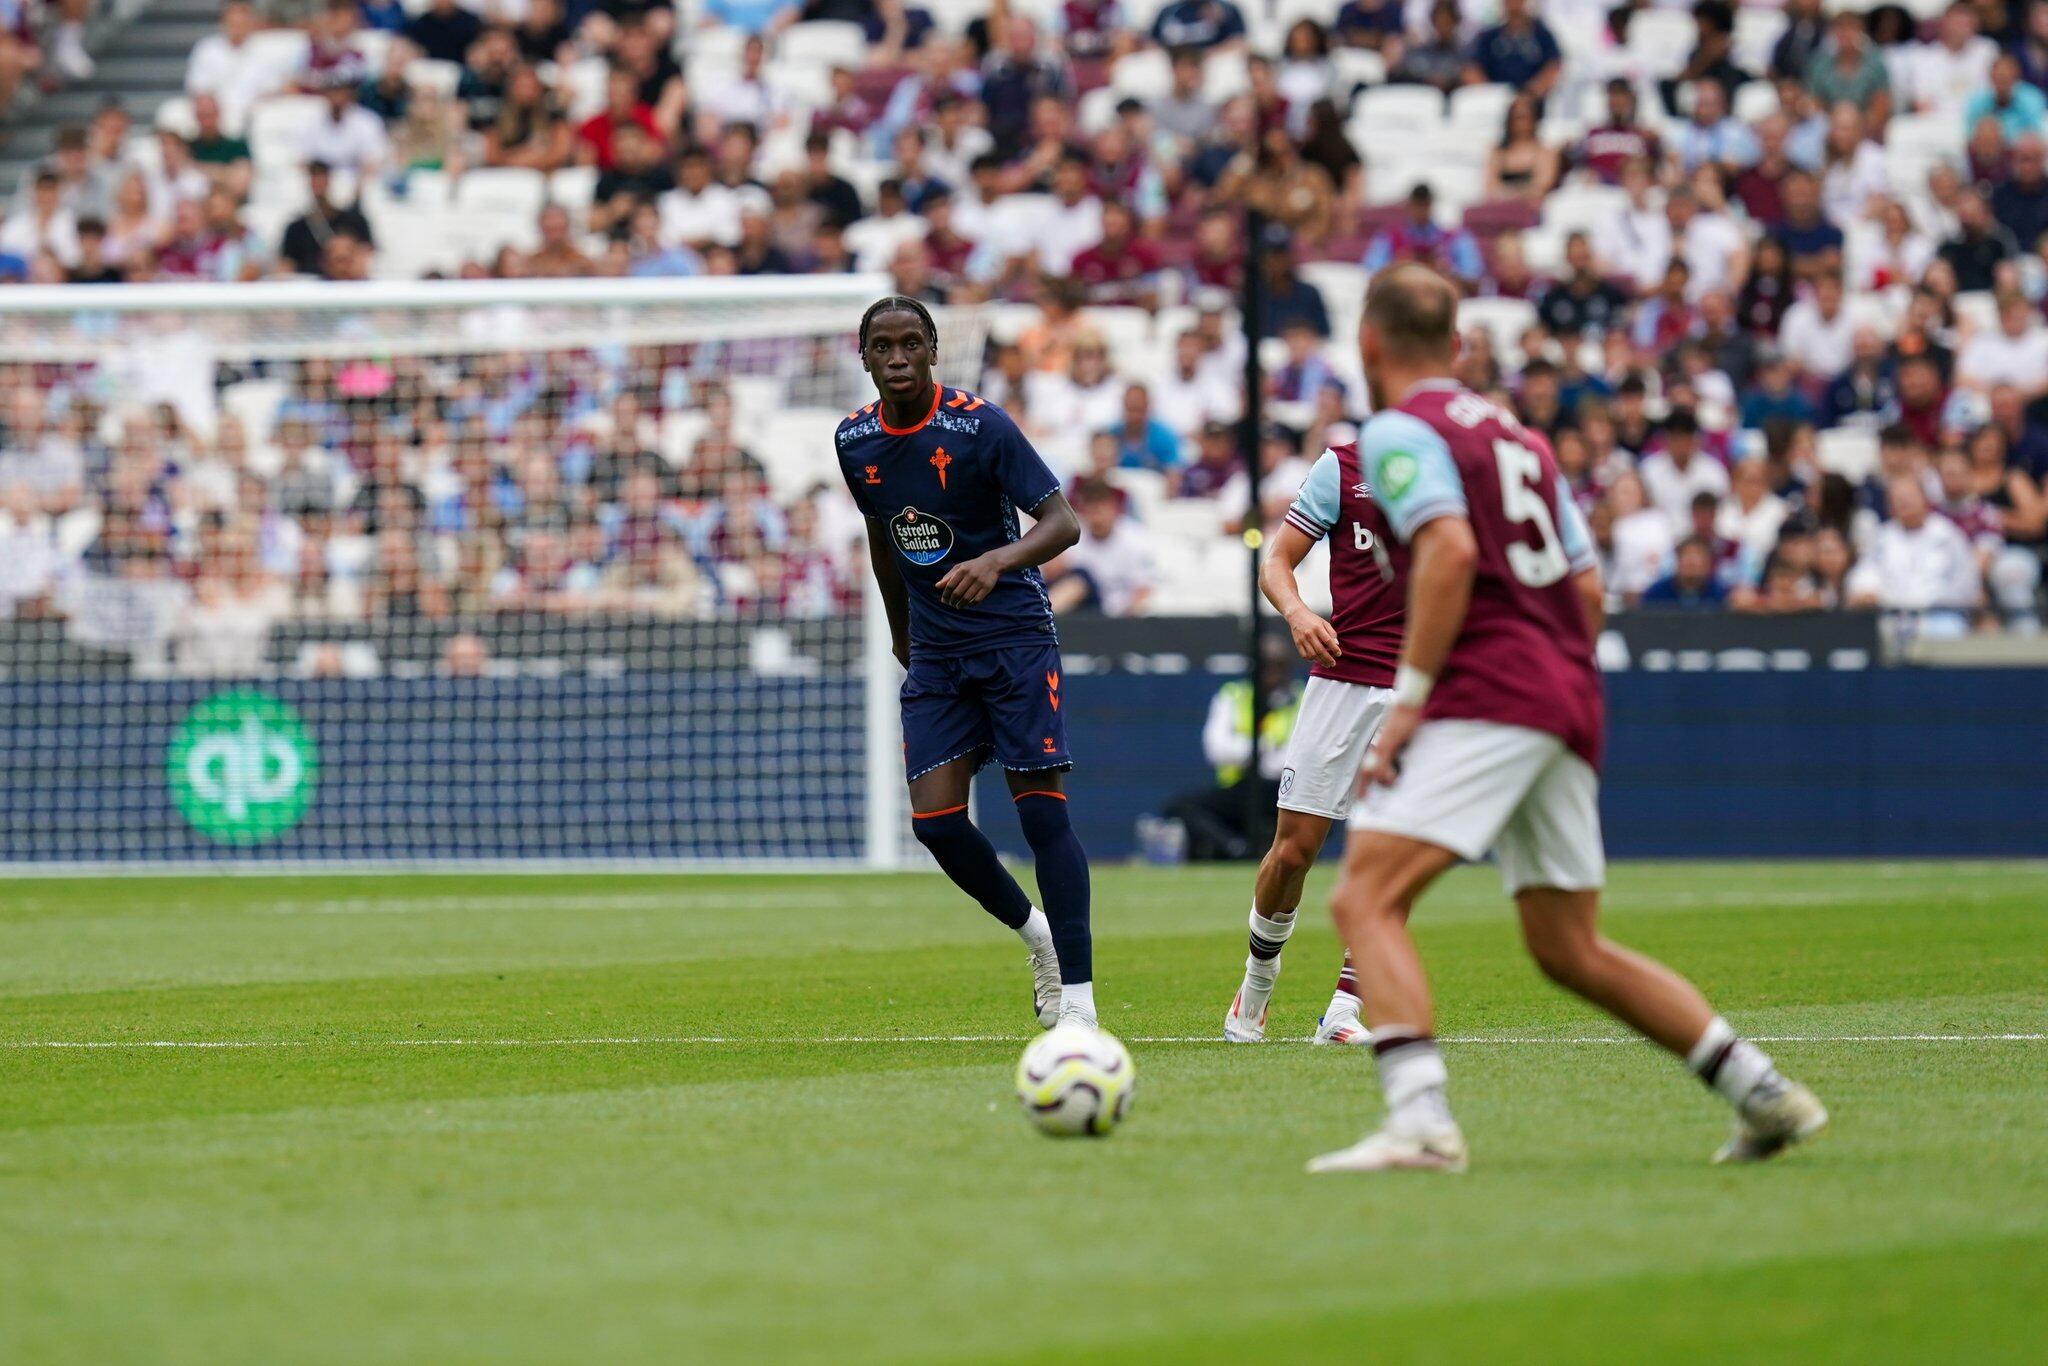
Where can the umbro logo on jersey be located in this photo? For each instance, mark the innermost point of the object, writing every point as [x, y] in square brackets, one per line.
[1362, 489]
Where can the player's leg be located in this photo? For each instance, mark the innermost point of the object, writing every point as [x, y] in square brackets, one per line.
[1460, 782]
[1332, 727]
[1383, 876]
[945, 736]
[1020, 689]
[1061, 866]
[1276, 895]
[1343, 1020]
[1551, 860]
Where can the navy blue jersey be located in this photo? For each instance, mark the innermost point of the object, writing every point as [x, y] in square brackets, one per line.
[948, 489]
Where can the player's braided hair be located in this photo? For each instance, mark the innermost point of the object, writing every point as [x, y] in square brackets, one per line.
[895, 303]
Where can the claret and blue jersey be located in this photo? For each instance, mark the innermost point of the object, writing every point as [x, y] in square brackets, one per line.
[983, 680]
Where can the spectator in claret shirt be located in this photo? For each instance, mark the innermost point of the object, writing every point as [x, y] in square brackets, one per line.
[1417, 237]
[1618, 141]
[596, 136]
[1123, 267]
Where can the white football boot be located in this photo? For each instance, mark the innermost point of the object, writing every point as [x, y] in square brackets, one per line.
[1340, 1024]
[1245, 1021]
[1045, 984]
[1389, 1149]
[1777, 1114]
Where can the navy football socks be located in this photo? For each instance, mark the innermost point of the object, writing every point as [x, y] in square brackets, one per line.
[967, 857]
[1062, 880]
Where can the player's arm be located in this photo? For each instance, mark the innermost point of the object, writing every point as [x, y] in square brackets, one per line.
[1309, 518]
[1576, 539]
[1314, 638]
[895, 598]
[1056, 529]
[1415, 481]
[1592, 599]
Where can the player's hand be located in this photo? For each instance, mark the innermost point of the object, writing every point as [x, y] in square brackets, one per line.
[1383, 756]
[966, 584]
[1314, 639]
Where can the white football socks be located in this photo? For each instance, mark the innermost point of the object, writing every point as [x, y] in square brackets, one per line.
[1078, 998]
[1729, 1063]
[1268, 932]
[1036, 931]
[1412, 1075]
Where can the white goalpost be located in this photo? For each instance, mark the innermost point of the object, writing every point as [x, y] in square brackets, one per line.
[531, 574]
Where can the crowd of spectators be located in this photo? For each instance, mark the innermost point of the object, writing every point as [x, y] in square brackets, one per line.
[1770, 279]
[42, 44]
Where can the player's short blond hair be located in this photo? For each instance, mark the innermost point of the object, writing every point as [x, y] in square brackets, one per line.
[1414, 310]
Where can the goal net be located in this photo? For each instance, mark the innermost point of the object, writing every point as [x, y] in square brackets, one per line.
[481, 572]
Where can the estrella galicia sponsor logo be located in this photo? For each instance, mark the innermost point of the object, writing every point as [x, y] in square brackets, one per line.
[1286, 781]
[922, 538]
[242, 767]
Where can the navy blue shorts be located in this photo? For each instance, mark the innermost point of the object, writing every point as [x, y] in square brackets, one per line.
[1001, 704]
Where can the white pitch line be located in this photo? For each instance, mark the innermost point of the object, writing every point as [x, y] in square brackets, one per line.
[692, 1040]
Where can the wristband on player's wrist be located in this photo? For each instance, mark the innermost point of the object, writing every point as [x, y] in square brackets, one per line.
[1411, 686]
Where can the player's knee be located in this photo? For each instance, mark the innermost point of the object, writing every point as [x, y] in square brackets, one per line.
[937, 833]
[1568, 959]
[1293, 853]
[1043, 816]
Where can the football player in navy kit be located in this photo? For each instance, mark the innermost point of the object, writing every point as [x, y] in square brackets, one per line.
[941, 476]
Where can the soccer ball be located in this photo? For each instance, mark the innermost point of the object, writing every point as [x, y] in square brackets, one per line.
[1075, 1079]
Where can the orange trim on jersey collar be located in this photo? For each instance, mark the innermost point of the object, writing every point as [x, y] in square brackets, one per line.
[883, 416]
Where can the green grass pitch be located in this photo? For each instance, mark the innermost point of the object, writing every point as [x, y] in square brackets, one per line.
[610, 1119]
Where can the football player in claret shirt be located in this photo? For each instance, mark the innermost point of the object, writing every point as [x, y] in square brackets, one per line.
[1350, 687]
[941, 476]
[1493, 742]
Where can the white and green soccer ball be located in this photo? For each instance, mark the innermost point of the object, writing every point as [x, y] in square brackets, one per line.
[1074, 1079]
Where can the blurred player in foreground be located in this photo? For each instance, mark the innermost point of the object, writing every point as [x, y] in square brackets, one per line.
[1352, 659]
[940, 475]
[1492, 743]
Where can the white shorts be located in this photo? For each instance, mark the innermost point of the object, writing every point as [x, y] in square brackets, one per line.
[1334, 724]
[1471, 786]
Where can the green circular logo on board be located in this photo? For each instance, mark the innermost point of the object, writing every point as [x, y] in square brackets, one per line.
[242, 767]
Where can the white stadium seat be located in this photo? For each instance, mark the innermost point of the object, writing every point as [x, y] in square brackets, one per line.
[1143, 75]
[278, 127]
[1483, 107]
[1398, 109]
[510, 192]
[796, 451]
[1503, 320]
[825, 42]
[1660, 39]
[1848, 451]
[1580, 208]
